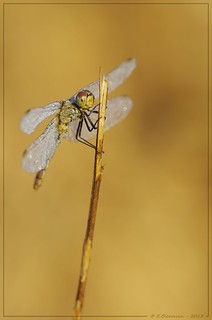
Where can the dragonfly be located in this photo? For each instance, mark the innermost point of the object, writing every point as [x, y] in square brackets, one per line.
[75, 119]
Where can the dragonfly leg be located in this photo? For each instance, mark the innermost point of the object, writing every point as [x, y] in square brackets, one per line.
[80, 138]
[89, 123]
[93, 110]
[92, 124]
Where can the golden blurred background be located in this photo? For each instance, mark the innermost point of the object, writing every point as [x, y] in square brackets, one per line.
[151, 241]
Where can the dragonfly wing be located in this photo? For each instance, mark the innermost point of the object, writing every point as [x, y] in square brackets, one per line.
[34, 117]
[117, 109]
[37, 156]
[116, 77]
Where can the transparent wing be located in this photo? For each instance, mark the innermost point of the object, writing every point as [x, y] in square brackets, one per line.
[37, 156]
[34, 117]
[116, 77]
[117, 109]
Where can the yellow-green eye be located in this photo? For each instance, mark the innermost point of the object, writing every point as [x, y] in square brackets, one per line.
[85, 99]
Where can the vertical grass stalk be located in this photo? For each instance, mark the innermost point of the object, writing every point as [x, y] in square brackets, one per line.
[97, 175]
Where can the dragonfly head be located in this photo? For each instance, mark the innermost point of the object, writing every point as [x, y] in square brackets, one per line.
[85, 99]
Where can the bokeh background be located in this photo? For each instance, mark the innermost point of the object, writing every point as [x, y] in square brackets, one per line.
[150, 246]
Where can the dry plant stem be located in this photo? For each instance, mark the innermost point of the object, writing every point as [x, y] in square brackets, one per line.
[98, 168]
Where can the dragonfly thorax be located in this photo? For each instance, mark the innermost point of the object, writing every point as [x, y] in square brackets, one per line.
[68, 112]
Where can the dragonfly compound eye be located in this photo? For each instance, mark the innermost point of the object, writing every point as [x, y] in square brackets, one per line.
[85, 99]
